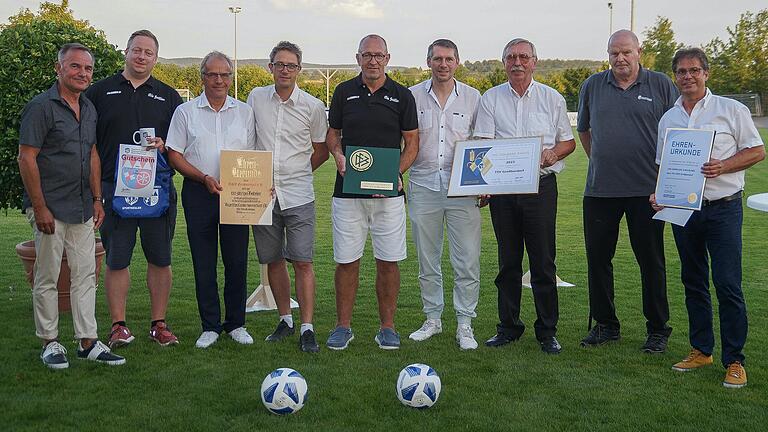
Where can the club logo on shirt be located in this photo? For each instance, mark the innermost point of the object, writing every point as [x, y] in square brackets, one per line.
[361, 160]
[645, 98]
[156, 97]
[391, 99]
[114, 92]
[353, 97]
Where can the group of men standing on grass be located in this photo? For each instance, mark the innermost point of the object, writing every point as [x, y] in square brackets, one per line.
[623, 115]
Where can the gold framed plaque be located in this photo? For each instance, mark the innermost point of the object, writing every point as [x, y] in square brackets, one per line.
[246, 182]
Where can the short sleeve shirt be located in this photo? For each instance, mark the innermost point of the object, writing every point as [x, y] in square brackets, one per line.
[200, 133]
[370, 119]
[64, 160]
[123, 110]
[624, 126]
[288, 129]
[734, 131]
[540, 111]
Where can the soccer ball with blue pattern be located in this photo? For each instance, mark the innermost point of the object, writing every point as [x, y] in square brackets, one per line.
[418, 386]
[284, 391]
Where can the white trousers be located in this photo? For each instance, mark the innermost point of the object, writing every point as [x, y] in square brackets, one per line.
[78, 241]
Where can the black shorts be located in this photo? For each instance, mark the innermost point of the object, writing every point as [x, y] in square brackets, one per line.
[118, 235]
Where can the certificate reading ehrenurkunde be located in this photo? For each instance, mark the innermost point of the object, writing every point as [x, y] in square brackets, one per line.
[680, 182]
[497, 166]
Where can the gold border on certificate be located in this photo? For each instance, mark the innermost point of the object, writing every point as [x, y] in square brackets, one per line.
[246, 181]
[496, 167]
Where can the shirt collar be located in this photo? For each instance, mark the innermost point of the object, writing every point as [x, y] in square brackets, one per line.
[428, 86]
[642, 76]
[293, 98]
[54, 94]
[527, 91]
[389, 84]
[704, 102]
[202, 102]
[151, 82]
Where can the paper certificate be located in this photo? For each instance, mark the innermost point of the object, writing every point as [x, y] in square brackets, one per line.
[372, 170]
[246, 182]
[495, 167]
[136, 170]
[680, 182]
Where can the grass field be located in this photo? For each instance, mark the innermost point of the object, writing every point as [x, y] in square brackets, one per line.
[516, 387]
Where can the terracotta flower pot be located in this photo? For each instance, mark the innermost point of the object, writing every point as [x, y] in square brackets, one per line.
[27, 255]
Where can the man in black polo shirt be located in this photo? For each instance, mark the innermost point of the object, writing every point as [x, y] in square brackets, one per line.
[369, 110]
[127, 101]
[59, 166]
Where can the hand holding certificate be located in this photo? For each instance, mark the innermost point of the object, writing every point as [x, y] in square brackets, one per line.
[498, 166]
[680, 182]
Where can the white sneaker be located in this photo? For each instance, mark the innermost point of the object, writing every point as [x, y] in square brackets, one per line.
[241, 336]
[430, 328]
[465, 337]
[207, 339]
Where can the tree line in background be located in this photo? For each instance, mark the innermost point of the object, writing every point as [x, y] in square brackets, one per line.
[29, 42]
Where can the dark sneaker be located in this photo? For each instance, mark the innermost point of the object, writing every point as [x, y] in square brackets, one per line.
[387, 339]
[340, 338]
[54, 355]
[100, 353]
[600, 335]
[161, 334]
[656, 343]
[307, 342]
[119, 336]
[550, 345]
[281, 332]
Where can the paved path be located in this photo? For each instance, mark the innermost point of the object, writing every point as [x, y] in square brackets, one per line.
[761, 122]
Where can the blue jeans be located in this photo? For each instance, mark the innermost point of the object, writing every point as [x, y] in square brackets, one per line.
[714, 233]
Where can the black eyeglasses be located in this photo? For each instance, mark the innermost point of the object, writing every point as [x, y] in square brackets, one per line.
[694, 71]
[290, 66]
[379, 57]
[213, 75]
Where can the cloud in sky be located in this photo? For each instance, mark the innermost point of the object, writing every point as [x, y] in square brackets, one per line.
[356, 8]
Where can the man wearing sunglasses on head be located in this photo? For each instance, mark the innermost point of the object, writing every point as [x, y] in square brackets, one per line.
[292, 125]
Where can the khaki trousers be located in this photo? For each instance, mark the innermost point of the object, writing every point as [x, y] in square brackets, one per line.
[78, 242]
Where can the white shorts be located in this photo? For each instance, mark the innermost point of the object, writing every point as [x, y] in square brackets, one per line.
[353, 218]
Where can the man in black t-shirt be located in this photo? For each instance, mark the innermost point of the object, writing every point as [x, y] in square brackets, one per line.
[369, 110]
[127, 101]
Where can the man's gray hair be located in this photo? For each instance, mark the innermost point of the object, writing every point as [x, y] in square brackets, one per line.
[690, 53]
[445, 43]
[212, 55]
[67, 47]
[371, 36]
[514, 42]
[285, 46]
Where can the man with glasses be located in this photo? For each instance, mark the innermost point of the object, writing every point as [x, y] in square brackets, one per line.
[129, 100]
[199, 130]
[712, 236]
[369, 110]
[446, 110]
[292, 124]
[619, 112]
[523, 107]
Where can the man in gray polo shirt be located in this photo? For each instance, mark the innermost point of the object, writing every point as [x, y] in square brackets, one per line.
[61, 172]
[619, 112]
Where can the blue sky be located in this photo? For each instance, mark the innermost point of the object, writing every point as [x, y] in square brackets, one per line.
[328, 30]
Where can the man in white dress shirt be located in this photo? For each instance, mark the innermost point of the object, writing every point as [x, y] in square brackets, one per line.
[523, 107]
[446, 110]
[292, 124]
[199, 130]
[711, 239]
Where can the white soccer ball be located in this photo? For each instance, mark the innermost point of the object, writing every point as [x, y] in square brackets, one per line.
[284, 391]
[418, 386]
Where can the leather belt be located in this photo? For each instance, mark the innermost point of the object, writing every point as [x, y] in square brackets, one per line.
[735, 196]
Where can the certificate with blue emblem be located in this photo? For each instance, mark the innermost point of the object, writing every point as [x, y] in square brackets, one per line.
[496, 167]
[680, 182]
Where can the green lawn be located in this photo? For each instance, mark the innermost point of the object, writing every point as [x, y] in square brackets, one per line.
[515, 387]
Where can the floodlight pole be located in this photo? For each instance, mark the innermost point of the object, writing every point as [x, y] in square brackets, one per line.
[610, 19]
[632, 16]
[235, 10]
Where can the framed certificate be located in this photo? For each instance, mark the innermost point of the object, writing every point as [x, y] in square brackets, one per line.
[680, 182]
[246, 181]
[496, 167]
[372, 170]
